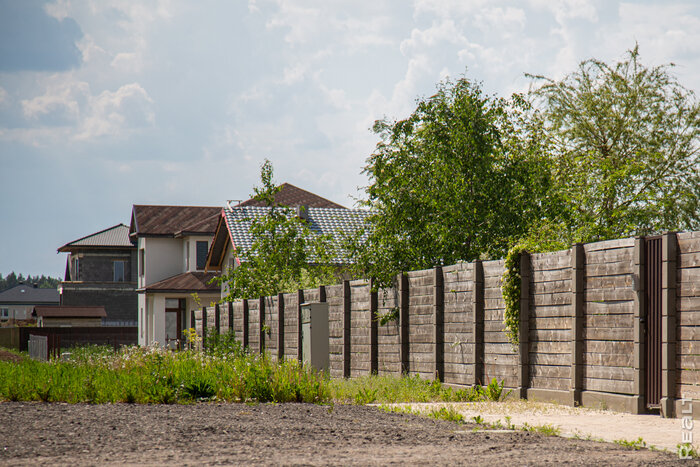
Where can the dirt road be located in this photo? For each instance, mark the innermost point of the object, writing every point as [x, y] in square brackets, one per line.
[285, 434]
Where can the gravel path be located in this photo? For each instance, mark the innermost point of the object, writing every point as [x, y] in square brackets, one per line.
[284, 434]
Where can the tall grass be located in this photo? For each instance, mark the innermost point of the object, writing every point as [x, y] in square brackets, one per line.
[154, 375]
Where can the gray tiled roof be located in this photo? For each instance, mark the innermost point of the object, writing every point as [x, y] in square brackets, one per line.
[116, 236]
[24, 293]
[337, 223]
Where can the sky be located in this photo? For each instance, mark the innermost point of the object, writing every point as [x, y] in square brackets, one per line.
[109, 103]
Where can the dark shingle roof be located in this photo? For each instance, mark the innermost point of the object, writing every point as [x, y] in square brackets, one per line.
[338, 223]
[115, 236]
[290, 195]
[70, 311]
[170, 220]
[196, 281]
[24, 293]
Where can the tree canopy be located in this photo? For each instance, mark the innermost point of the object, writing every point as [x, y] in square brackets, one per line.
[461, 178]
[285, 254]
[43, 282]
[624, 140]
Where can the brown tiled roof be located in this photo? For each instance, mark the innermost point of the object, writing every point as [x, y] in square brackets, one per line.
[289, 195]
[70, 311]
[168, 220]
[187, 282]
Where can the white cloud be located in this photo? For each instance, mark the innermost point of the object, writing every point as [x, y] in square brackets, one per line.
[113, 113]
[127, 62]
[3, 95]
[62, 100]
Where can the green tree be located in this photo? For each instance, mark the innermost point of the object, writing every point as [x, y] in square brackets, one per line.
[285, 253]
[624, 140]
[463, 177]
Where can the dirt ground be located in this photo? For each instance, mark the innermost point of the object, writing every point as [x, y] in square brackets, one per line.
[284, 434]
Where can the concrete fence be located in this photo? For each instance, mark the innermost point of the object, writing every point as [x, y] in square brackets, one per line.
[601, 325]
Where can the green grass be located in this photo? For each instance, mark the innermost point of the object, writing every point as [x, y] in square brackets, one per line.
[152, 375]
[636, 444]
[391, 389]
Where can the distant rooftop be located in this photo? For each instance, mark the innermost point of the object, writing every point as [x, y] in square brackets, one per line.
[113, 237]
[29, 294]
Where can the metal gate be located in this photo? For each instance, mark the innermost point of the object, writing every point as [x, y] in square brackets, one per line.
[653, 321]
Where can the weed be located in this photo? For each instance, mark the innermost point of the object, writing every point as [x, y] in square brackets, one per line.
[494, 391]
[545, 429]
[686, 451]
[636, 444]
[199, 389]
[478, 419]
[447, 413]
[365, 396]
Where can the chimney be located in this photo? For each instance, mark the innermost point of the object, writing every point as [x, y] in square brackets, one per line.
[303, 212]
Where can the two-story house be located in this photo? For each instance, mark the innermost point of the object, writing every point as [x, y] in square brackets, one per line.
[18, 302]
[101, 271]
[172, 244]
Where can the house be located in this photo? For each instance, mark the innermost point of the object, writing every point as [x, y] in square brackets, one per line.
[101, 271]
[323, 217]
[172, 244]
[17, 303]
[69, 316]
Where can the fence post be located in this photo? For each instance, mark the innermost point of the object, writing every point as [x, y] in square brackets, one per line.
[578, 264]
[217, 319]
[478, 321]
[321, 293]
[403, 323]
[668, 323]
[524, 328]
[373, 330]
[280, 327]
[300, 300]
[246, 319]
[230, 317]
[438, 321]
[346, 329]
[193, 321]
[261, 324]
[204, 327]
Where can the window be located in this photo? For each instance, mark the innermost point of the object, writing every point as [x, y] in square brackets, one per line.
[76, 269]
[142, 264]
[119, 270]
[202, 250]
[4, 313]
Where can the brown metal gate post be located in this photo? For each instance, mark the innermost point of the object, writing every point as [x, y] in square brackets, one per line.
[668, 324]
[640, 315]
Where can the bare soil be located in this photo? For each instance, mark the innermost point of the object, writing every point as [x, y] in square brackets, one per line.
[284, 434]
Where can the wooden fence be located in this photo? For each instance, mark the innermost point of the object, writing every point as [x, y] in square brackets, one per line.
[583, 336]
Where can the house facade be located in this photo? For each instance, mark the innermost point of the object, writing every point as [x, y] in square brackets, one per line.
[18, 302]
[101, 271]
[171, 250]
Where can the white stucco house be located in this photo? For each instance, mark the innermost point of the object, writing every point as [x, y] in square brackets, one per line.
[172, 244]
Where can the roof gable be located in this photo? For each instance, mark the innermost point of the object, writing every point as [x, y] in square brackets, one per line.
[290, 195]
[152, 220]
[116, 236]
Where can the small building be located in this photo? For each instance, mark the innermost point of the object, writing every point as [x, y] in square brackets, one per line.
[101, 271]
[69, 316]
[17, 303]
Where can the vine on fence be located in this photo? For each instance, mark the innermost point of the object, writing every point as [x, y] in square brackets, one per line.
[511, 283]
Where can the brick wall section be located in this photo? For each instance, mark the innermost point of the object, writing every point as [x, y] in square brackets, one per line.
[253, 323]
[421, 356]
[272, 322]
[388, 358]
[334, 296]
[608, 348]
[120, 304]
[550, 320]
[458, 342]
[688, 312]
